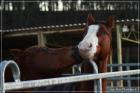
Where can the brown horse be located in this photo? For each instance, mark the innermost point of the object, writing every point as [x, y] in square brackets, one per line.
[43, 62]
[96, 45]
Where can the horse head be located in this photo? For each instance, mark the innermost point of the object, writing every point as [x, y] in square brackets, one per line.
[97, 38]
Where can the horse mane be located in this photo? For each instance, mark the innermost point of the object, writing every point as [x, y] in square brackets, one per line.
[20, 55]
[17, 54]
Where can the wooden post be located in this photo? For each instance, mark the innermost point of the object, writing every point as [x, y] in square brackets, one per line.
[41, 38]
[119, 51]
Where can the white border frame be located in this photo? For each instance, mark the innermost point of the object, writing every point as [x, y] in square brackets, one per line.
[2, 1]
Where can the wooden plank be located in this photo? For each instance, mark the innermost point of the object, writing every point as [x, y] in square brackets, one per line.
[63, 31]
[130, 40]
[27, 33]
[17, 34]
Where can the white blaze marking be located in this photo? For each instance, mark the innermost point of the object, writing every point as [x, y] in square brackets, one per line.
[90, 38]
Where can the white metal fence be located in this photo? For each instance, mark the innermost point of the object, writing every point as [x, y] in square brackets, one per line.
[128, 80]
[53, 81]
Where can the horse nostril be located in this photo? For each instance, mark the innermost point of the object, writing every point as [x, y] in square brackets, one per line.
[90, 45]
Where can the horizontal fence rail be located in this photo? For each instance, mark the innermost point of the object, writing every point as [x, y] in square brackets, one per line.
[128, 81]
[125, 64]
[52, 81]
[63, 80]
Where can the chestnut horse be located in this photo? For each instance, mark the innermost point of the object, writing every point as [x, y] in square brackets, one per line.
[43, 62]
[96, 45]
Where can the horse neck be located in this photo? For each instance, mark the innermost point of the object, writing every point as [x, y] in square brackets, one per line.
[65, 57]
[52, 59]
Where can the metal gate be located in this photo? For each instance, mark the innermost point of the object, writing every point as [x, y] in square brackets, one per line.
[53, 81]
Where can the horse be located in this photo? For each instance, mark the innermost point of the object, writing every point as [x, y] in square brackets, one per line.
[96, 46]
[39, 62]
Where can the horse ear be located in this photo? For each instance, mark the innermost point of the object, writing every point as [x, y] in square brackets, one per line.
[90, 19]
[110, 22]
[16, 53]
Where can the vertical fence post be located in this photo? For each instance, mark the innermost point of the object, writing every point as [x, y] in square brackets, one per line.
[76, 69]
[41, 38]
[119, 50]
[98, 83]
[128, 81]
[111, 68]
[128, 67]
[15, 71]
